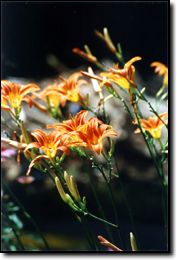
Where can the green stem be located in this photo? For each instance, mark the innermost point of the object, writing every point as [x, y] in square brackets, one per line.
[157, 164]
[112, 202]
[100, 206]
[100, 219]
[27, 215]
[89, 236]
[126, 202]
[100, 66]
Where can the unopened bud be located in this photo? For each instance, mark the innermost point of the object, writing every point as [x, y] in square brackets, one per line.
[133, 242]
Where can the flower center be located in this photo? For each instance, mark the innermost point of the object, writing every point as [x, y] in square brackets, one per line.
[50, 150]
[15, 100]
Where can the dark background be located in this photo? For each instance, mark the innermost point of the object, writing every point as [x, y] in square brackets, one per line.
[33, 30]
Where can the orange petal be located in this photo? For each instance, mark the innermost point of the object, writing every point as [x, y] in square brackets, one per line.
[130, 62]
[38, 158]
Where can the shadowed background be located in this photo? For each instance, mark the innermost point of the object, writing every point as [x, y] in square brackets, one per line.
[32, 31]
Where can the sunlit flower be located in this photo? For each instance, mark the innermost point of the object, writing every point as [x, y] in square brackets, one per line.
[109, 245]
[89, 133]
[12, 94]
[67, 90]
[76, 123]
[152, 125]
[123, 77]
[95, 133]
[70, 88]
[49, 143]
[162, 70]
[53, 95]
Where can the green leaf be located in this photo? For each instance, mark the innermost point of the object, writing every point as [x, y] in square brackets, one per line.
[16, 221]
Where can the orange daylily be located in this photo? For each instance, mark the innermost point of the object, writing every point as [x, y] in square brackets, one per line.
[53, 95]
[123, 77]
[69, 89]
[77, 123]
[12, 94]
[49, 144]
[89, 133]
[94, 134]
[152, 125]
[162, 70]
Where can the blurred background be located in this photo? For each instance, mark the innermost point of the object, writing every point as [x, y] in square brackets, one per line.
[33, 31]
[37, 42]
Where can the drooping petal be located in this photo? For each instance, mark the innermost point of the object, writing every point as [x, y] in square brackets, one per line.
[38, 158]
[133, 60]
[29, 88]
[32, 145]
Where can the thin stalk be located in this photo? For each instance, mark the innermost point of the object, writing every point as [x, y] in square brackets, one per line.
[100, 207]
[100, 219]
[100, 66]
[125, 104]
[127, 203]
[157, 165]
[112, 202]
[89, 236]
[27, 215]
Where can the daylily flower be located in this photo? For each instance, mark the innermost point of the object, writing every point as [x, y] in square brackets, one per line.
[162, 70]
[69, 90]
[76, 123]
[152, 125]
[95, 132]
[123, 77]
[89, 133]
[49, 144]
[53, 95]
[12, 94]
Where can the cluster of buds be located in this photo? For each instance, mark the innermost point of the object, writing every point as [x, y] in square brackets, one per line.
[73, 199]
